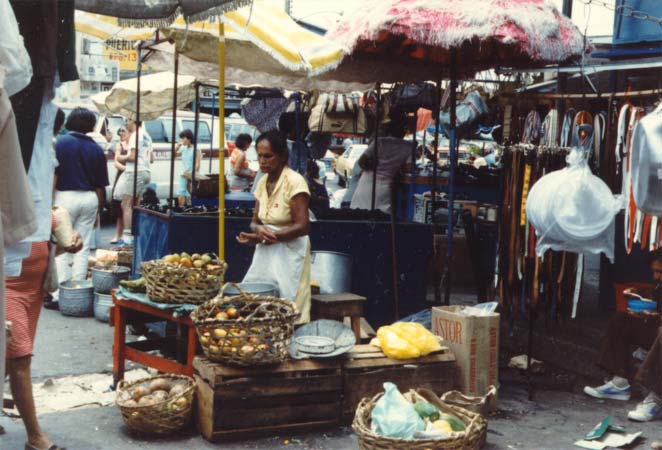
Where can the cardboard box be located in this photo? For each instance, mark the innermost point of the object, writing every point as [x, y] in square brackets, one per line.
[475, 342]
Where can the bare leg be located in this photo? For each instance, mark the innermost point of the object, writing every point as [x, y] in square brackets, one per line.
[21, 389]
[120, 226]
[181, 201]
[127, 210]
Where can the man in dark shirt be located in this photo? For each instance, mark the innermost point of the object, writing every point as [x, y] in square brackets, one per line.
[628, 329]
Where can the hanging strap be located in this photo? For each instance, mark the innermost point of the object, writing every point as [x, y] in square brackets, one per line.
[578, 284]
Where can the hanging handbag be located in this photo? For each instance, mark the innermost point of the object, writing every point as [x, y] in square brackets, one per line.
[410, 97]
[349, 122]
[342, 104]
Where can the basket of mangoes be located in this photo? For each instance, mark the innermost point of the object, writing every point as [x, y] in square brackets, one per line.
[183, 278]
[246, 329]
[156, 405]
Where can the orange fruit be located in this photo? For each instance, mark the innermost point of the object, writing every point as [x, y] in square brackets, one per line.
[232, 312]
[186, 262]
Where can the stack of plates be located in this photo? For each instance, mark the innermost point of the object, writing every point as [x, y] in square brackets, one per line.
[321, 339]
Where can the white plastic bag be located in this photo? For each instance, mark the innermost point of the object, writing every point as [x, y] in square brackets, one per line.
[573, 210]
[15, 65]
[394, 416]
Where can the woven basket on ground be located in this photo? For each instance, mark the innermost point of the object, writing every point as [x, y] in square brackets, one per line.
[472, 438]
[245, 330]
[169, 283]
[165, 415]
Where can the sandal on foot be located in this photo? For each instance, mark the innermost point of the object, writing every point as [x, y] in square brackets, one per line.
[52, 447]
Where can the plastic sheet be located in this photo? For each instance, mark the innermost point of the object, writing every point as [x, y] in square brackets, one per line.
[573, 210]
[393, 416]
[406, 340]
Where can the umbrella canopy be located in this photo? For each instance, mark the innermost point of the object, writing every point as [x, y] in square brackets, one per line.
[156, 94]
[399, 39]
[158, 12]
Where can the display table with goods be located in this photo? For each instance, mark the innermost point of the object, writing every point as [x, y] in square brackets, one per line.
[364, 236]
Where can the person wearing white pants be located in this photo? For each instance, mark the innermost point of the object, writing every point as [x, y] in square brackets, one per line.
[81, 178]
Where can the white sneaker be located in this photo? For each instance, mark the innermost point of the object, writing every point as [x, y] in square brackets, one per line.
[608, 391]
[647, 410]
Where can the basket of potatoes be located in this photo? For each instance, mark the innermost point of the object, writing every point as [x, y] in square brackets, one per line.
[246, 329]
[156, 405]
[182, 278]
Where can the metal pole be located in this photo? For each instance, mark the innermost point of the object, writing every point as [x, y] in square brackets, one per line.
[135, 160]
[221, 140]
[211, 136]
[173, 139]
[374, 171]
[567, 8]
[452, 152]
[412, 185]
[435, 161]
[195, 134]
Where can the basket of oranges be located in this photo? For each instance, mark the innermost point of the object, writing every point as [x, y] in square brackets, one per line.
[246, 329]
[183, 278]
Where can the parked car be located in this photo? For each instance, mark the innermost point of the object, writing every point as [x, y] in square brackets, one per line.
[347, 160]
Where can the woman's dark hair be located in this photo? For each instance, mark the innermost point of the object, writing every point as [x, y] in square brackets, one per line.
[120, 129]
[312, 169]
[655, 255]
[59, 121]
[398, 124]
[81, 120]
[188, 134]
[277, 141]
[243, 141]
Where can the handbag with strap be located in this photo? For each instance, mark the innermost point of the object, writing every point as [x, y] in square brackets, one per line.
[341, 104]
[410, 97]
[352, 121]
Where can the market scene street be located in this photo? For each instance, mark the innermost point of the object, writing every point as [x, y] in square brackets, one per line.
[295, 224]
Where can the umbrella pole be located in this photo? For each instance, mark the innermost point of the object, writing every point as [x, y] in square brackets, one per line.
[211, 136]
[451, 182]
[134, 201]
[196, 122]
[435, 161]
[374, 171]
[173, 201]
[221, 140]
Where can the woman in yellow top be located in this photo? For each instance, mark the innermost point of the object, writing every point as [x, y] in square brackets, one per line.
[280, 225]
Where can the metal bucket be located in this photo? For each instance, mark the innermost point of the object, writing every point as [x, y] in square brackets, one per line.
[261, 289]
[76, 301]
[332, 271]
[102, 305]
[105, 280]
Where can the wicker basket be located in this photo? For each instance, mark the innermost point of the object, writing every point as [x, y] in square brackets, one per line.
[471, 439]
[258, 336]
[161, 418]
[169, 283]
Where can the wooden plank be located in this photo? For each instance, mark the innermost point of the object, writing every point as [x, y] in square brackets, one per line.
[257, 404]
[436, 377]
[204, 418]
[158, 363]
[250, 433]
[232, 418]
[388, 362]
[264, 386]
[337, 298]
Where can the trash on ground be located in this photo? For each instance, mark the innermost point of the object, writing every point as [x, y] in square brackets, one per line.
[520, 362]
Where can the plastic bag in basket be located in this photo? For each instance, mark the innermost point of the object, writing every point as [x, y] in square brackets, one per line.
[393, 416]
[406, 340]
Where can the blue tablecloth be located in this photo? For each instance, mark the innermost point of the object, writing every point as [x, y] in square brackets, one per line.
[181, 310]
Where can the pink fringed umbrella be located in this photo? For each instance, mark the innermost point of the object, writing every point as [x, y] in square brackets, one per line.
[400, 38]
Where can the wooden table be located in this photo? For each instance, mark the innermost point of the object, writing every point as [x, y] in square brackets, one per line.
[131, 312]
[339, 306]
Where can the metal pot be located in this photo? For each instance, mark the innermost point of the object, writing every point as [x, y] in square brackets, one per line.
[102, 305]
[105, 280]
[76, 298]
[261, 289]
[332, 271]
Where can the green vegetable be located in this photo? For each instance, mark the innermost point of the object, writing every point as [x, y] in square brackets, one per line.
[427, 411]
[456, 423]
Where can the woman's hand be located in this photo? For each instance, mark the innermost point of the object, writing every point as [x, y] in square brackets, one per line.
[76, 243]
[266, 235]
[248, 238]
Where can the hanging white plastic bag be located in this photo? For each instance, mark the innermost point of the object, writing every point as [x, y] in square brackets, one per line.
[394, 416]
[573, 210]
[15, 65]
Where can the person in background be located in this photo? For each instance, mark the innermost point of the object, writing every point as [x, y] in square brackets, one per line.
[122, 148]
[628, 329]
[319, 196]
[144, 157]
[80, 182]
[393, 152]
[280, 226]
[240, 175]
[185, 150]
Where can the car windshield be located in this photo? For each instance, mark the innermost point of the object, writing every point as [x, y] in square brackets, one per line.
[233, 130]
[204, 136]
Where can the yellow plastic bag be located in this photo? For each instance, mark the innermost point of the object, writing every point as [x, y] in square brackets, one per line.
[406, 340]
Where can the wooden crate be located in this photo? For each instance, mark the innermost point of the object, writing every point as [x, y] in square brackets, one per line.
[238, 403]
[366, 369]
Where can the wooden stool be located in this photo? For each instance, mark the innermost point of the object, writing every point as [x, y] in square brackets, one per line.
[337, 306]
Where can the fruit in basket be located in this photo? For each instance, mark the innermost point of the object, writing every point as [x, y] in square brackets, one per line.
[159, 396]
[177, 390]
[232, 312]
[198, 264]
[206, 259]
[222, 315]
[137, 285]
[130, 403]
[427, 411]
[159, 384]
[147, 400]
[139, 392]
[186, 262]
[262, 347]
[220, 333]
[195, 256]
[443, 426]
[180, 403]
[455, 423]
[213, 349]
[254, 340]
[247, 349]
